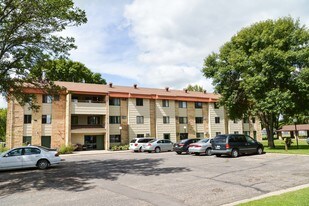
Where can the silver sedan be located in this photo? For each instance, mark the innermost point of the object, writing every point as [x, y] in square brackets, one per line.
[158, 145]
[202, 146]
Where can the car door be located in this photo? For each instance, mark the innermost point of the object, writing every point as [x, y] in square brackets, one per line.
[161, 145]
[241, 143]
[31, 156]
[12, 159]
[251, 145]
[169, 145]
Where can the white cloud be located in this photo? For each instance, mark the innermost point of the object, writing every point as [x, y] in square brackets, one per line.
[3, 103]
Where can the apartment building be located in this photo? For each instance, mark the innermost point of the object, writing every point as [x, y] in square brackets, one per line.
[100, 116]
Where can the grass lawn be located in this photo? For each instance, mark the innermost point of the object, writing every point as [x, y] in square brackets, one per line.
[299, 197]
[280, 148]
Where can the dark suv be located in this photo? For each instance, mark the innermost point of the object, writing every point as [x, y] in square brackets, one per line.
[235, 145]
[183, 145]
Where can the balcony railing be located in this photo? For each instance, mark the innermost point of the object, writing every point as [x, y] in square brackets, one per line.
[87, 126]
[87, 101]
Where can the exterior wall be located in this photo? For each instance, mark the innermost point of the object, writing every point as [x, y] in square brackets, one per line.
[177, 121]
[135, 111]
[166, 128]
[77, 139]
[191, 120]
[58, 122]
[37, 122]
[88, 108]
[124, 121]
[9, 123]
[213, 126]
[235, 127]
[205, 114]
[152, 118]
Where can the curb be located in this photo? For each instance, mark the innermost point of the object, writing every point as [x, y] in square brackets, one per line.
[292, 189]
[93, 153]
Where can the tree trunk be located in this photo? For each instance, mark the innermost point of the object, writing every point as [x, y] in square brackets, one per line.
[270, 133]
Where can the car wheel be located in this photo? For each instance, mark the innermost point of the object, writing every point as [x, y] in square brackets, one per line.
[259, 150]
[218, 155]
[208, 152]
[178, 153]
[157, 150]
[197, 154]
[235, 153]
[149, 151]
[42, 164]
[140, 149]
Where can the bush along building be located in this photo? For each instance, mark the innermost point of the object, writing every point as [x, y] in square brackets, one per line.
[100, 116]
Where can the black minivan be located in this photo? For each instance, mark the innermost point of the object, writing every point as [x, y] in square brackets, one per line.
[235, 145]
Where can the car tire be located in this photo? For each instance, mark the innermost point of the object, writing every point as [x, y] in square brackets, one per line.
[157, 150]
[140, 149]
[197, 154]
[178, 153]
[218, 155]
[149, 151]
[42, 164]
[259, 151]
[208, 152]
[234, 153]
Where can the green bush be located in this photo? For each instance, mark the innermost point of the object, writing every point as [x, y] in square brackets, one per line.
[66, 149]
[119, 147]
[2, 148]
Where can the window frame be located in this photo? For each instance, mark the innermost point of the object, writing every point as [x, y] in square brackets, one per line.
[199, 122]
[139, 119]
[217, 120]
[182, 104]
[27, 117]
[165, 103]
[115, 119]
[114, 137]
[45, 118]
[183, 118]
[47, 99]
[114, 101]
[166, 119]
[139, 102]
[197, 106]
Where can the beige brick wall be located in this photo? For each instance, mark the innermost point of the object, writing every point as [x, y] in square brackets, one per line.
[191, 120]
[124, 121]
[177, 121]
[152, 104]
[37, 122]
[58, 122]
[206, 119]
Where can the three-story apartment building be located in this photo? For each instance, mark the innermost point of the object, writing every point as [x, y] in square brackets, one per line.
[100, 116]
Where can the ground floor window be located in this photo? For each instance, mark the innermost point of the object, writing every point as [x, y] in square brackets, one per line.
[199, 135]
[46, 141]
[27, 140]
[167, 136]
[140, 135]
[183, 136]
[236, 132]
[115, 138]
[218, 133]
[93, 142]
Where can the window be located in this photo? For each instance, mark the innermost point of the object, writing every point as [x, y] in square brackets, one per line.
[216, 105]
[246, 120]
[235, 121]
[115, 138]
[218, 133]
[139, 102]
[183, 120]
[199, 135]
[198, 105]
[217, 120]
[253, 120]
[182, 104]
[27, 119]
[165, 103]
[236, 132]
[15, 152]
[27, 140]
[140, 135]
[74, 120]
[32, 151]
[199, 120]
[166, 120]
[183, 136]
[167, 136]
[139, 119]
[94, 120]
[114, 119]
[47, 99]
[56, 97]
[114, 101]
[46, 119]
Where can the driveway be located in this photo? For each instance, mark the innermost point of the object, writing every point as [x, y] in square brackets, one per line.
[153, 179]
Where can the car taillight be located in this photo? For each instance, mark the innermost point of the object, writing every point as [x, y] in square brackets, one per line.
[227, 146]
[181, 145]
[57, 154]
[149, 144]
[197, 145]
[135, 144]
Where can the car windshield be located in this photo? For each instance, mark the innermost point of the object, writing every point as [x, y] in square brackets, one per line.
[133, 141]
[220, 139]
[203, 141]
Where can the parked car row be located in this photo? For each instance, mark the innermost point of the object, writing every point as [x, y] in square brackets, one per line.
[228, 144]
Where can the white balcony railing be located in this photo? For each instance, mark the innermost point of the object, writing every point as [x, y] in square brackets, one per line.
[88, 108]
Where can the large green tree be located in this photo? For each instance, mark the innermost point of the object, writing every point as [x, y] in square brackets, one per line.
[2, 124]
[195, 88]
[29, 35]
[67, 70]
[263, 70]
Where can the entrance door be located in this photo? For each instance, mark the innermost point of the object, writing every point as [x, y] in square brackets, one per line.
[46, 141]
[91, 142]
[100, 142]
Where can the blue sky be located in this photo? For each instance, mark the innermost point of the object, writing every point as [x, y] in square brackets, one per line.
[163, 43]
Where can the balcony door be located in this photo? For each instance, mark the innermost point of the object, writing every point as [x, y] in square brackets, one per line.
[94, 142]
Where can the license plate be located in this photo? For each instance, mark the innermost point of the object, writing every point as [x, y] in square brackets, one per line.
[218, 147]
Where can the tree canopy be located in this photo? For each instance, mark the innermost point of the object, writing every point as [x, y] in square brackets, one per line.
[195, 88]
[3, 113]
[66, 70]
[263, 70]
[29, 35]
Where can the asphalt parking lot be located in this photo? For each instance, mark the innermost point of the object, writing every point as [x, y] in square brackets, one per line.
[153, 179]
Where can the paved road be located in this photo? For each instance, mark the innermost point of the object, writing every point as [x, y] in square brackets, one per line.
[153, 179]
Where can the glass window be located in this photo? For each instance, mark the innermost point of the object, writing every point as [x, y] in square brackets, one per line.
[216, 105]
[139, 102]
[165, 103]
[198, 105]
[140, 135]
[183, 136]
[114, 101]
[182, 104]
[199, 135]
[139, 119]
[115, 138]
[218, 133]
[246, 120]
[253, 120]
[27, 119]
[166, 120]
[220, 138]
[46, 119]
[32, 151]
[217, 120]
[167, 141]
[15, 152]
[47, 99]
[94, 120]
[26, 140]
[250, 140]
[114, 119]
[183, 120]
[74, 120]
[199, 120]
[166, 136]
[236, 132]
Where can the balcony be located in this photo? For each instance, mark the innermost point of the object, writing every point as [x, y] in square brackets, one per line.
[88, 107]
[93, 129]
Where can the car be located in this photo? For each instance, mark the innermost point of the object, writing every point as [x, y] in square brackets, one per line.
[136, 144]
[28, 157]
[183, 145]
[158, 145]
[202, 146]
[307, 140]
[235, 145]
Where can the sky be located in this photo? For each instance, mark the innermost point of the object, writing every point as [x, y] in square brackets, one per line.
[164, 43]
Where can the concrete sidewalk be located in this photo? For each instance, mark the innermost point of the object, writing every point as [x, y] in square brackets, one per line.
[95, 152]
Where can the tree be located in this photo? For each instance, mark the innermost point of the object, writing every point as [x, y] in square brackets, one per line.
[195, 88]
[29, 35]
[263, 71]
[2, 124]
[66, 70]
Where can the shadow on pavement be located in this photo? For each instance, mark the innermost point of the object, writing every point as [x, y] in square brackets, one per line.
[75, 176]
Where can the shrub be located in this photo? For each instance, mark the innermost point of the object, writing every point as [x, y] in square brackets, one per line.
[119, 147]
[2, 148]
[66, 149]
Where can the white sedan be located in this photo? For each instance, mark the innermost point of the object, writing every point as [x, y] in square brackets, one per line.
[158, 145]
[30, 156]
